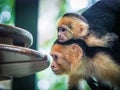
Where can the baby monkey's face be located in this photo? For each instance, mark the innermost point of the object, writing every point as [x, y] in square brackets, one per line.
[64, 33]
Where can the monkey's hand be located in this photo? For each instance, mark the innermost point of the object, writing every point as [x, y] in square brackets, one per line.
[109, 39]
[93, 84]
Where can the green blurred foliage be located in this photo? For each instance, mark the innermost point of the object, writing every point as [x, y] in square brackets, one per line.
[62, 9]
[59, 85]
[7, 11]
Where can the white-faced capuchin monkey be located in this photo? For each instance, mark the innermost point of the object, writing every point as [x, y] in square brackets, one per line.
[79, 61]
[72, 25]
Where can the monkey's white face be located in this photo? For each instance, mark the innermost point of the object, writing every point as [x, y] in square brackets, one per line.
[64, 33]
[59, 64]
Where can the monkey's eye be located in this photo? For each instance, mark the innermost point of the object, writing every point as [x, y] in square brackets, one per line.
[61, 29]
[55, 57]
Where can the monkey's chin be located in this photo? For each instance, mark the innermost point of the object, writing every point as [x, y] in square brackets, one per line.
[62, 40]
[57, 72]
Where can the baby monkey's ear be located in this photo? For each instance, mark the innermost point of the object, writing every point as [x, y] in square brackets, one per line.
[83, 29]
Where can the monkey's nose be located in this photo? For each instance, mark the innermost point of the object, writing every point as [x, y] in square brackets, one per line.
[53, 65]
[59, 35]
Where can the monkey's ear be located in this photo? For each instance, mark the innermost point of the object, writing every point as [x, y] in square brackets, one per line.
[76, 55]
[83, 30]
[77, 51]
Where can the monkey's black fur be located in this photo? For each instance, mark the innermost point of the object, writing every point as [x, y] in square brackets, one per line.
[75, 15]
[104, 17]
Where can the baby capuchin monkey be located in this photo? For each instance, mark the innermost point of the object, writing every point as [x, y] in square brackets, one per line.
[80, 61]
[72, 25]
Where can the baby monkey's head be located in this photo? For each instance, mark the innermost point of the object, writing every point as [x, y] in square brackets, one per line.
[71, 25]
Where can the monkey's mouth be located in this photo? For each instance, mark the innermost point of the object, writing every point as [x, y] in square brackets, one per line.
[61, 39]
[57, 72]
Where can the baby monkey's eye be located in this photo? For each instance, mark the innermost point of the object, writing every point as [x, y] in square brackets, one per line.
[61, 29]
